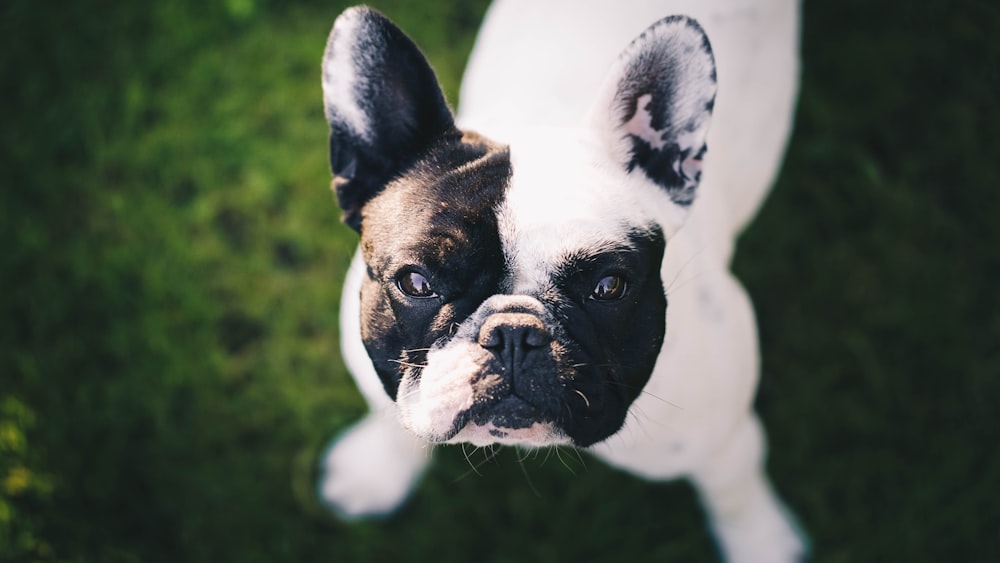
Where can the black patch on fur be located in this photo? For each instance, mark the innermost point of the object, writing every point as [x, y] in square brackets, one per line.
[663, 166]
[437, 219]
[660, 66]
[406, 112]
[601, 354]
[613, 344]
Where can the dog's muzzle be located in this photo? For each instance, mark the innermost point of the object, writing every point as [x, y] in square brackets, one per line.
[518, 390]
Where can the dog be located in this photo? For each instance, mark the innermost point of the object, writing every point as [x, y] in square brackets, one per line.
[551, 266]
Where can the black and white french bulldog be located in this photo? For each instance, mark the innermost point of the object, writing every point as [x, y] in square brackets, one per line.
[552, 266]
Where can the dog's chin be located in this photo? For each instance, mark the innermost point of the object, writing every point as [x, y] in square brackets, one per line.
[510, 422]
[535, 435]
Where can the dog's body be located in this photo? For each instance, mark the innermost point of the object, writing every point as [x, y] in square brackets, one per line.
[551, 278]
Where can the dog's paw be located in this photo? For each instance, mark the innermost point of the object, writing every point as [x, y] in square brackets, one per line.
[769, 537]
[370, 469]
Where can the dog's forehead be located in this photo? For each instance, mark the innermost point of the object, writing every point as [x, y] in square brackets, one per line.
[443, 206]
[567, 197]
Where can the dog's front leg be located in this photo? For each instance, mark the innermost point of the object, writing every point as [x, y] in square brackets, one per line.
[372, 467]
[750, 523]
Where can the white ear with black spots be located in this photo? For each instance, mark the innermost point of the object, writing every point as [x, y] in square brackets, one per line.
[383, 104]
[657, 103]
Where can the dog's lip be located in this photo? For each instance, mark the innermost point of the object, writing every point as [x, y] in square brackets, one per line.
[508, 413]
[511, 420]
[513, 410]
[537, 434]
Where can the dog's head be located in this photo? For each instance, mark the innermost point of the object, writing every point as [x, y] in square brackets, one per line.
[513, 292]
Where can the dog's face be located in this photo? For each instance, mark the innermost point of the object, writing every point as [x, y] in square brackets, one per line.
[513, 292]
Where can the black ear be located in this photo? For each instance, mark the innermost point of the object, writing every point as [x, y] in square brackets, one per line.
[382, 102]
[657, 104]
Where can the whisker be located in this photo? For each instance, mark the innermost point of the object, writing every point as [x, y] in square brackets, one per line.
[670, 286]
[641, 419]
[563, 461]
[408, 364]
[489, 455]
[645, 392]
[661, 399]
[473, 466]
[685, 283]
[527, 478]
[548, 453]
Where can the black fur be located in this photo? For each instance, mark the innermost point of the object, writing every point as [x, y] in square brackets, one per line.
[439, 219]
[614, 344]
[396, 88]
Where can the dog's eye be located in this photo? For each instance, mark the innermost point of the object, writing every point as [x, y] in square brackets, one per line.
[415, 285]
[610, 288]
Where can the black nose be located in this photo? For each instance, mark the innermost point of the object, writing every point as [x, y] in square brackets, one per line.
[521, 386]
[512, 336]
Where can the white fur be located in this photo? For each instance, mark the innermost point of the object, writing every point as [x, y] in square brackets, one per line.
[394, 460]
[694, 418]
[569, 45]
[566, 195]
[429, 405]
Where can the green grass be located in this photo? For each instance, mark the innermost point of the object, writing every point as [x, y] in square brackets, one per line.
[172, 257]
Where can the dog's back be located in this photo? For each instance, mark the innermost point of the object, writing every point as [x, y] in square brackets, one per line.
[540, 63]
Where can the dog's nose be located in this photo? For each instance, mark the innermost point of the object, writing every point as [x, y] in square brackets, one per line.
[511, 335]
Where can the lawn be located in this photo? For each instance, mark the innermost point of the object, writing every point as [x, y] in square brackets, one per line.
[170, 273]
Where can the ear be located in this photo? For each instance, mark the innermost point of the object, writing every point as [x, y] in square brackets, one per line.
[383, 104]
[656, 104]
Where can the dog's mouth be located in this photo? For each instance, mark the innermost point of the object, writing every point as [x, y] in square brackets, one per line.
[511, 420]
[511, 378]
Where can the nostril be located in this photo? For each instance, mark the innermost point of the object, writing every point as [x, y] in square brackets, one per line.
[514, 330]
[491, 338]
[536, 337]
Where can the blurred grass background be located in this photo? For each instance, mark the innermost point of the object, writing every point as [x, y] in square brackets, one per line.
[171, 260]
